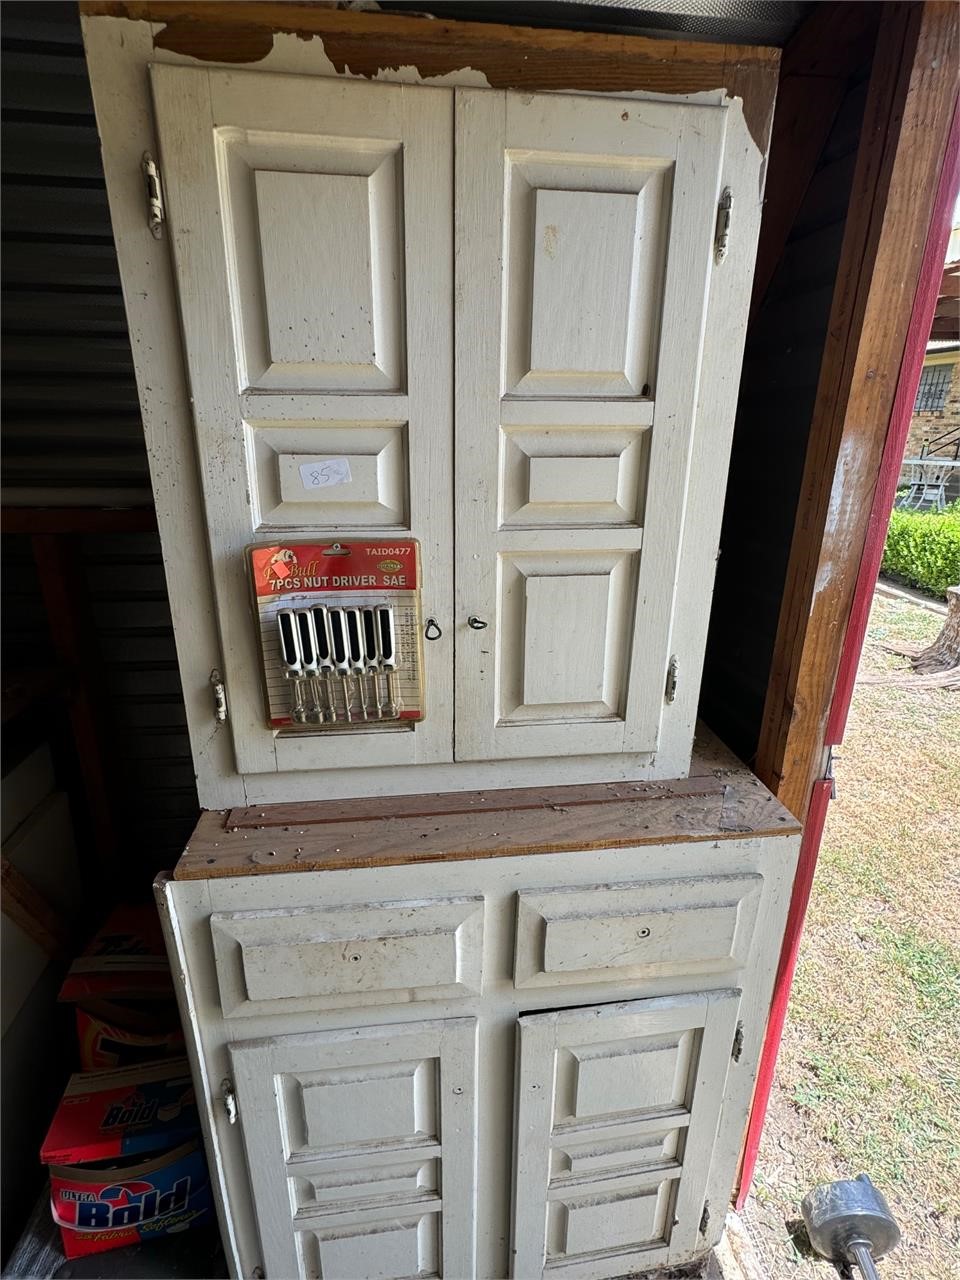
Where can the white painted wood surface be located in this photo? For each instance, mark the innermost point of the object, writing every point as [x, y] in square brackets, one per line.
[584, 257]
[361, 1146]
[309, 260]
[348, 957]
[118, 52]
[749, 870]
[632, 931]
[604, 1078]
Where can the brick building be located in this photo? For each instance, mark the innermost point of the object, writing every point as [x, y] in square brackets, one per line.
[935, 425]
[936, 412]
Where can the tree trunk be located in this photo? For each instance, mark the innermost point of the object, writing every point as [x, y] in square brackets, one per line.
[944, 653]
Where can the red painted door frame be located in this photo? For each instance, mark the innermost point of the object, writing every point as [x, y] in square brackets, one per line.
[931, 272]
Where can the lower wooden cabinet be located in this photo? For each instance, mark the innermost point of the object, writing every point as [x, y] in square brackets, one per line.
[361, 1149]
[617, 1112]
[521, 1066]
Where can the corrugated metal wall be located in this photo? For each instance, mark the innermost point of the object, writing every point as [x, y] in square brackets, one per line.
[72, 433]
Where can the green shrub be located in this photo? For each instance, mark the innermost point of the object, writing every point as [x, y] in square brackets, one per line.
[923, 547]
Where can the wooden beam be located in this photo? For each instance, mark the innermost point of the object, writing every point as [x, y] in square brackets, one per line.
[913, 89]
[509, 57]
[816, 68]
[26, 907]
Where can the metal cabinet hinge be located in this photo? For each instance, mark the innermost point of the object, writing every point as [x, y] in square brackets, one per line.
[229, 1099]
[737, 1048]
[721, 237]
[704, 1218]
[219, 696]
[828, 774]
[155, 209]
[670, 690]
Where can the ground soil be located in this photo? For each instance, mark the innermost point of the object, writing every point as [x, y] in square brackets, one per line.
[867, 1078]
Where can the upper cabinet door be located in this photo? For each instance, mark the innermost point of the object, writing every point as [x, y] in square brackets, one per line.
[312, 237]
[584, 249]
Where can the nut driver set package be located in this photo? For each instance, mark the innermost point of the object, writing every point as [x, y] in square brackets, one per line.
[340, 633]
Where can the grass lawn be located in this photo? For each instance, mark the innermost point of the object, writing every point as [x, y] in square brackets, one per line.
[869, 1073]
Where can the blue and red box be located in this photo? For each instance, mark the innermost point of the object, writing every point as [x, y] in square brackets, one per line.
[126, 1161]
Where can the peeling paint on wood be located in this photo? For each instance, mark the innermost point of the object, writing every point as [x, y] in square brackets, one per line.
[500, 57]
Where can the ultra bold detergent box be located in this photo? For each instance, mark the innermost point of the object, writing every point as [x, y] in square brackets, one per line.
[125, 1158]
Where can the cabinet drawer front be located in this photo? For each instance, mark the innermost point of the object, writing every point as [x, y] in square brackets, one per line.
[337, 957]
[657, 928]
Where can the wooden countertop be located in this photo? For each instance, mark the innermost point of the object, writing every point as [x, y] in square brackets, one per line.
[720, 800]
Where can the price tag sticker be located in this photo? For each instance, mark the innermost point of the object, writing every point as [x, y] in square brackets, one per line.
[326, 473]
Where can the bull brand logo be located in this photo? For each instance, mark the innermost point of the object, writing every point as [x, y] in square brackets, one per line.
[130, 1204]
[282, 565]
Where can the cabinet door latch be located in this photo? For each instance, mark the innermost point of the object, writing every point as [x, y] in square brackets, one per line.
[721, 238]
[219, 696]
[156, 213]
[670, 689]
[737, 1048]
[229, 1099]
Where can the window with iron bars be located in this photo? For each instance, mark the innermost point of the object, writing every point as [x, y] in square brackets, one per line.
[932, 392]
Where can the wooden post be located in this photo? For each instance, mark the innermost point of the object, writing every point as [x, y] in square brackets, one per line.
[910, 104]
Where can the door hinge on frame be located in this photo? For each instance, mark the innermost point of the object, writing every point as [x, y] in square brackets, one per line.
[737, 1047]
[721, 238]
[704, 1218]
[219, 696]
[828, 774]
[156, 212]
[229, 1100]
[670, 689]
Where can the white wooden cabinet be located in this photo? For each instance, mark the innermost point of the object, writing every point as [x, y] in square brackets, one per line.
[506, 312]
[470, 1060]
[469, 1034]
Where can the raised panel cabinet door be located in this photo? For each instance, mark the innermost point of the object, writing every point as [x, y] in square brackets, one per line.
[584, 246]
[616, 1117]
[361, 1146]
[312, 242]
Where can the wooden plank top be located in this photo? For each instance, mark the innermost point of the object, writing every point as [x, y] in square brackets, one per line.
[510, 57]
[720, 800]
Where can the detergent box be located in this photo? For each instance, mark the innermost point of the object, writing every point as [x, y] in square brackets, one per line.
[125, 1158]
[126, 958]
[123, 993]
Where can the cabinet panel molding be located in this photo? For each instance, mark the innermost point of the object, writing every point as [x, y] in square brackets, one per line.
[584, 275]
[291, 490]
[694, 925]
[310, 957]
